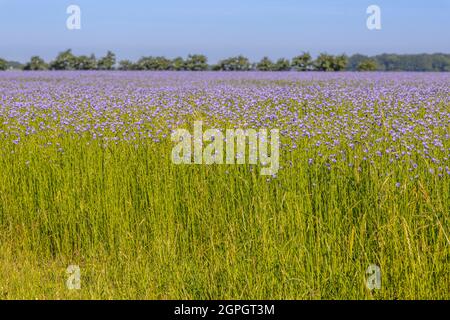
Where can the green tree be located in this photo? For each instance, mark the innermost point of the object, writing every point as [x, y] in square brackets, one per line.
[14, 65]
[153, 63]
[162, 63]
[282, 65]
[389, 62]
[107, 62]
[265, 64]
[324, 62]
[3, 64]
[146, 63]
[440, 62]
[126, 65]
[86, 63]
[217, 67]
[302, 62]
[36, 63]
[178, 64]
[355, 60]
[64, 61]
[327, 62]
[239, 63]
[340, 62]
[367, 65]
[196, 62]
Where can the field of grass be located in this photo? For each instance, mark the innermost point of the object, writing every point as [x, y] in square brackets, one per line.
[86, 179]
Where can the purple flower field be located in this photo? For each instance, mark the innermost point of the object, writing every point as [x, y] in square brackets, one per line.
[398, 116]
[364, 179]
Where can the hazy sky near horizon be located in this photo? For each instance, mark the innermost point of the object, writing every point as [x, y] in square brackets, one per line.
[219, 28]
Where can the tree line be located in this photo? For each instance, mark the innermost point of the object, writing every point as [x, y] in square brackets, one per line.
[66, 60]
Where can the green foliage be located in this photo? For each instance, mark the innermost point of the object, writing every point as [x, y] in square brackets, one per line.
[327, 62]
[405, 62]
[355, 60]
[265, 64]
[153, 63]
[86, 63]
[303, 62]
[107, 62]
[239, 63]
[68, 61]
[324, 62]
[36, 63]
[162, 63]
[367, 65]
[196, 62]
[340, 62]
[3, 64]
[390, 62]
[178, 64]
[440, 62]
[14, 65]
[64, 61]
[126, 65]
[282, 64]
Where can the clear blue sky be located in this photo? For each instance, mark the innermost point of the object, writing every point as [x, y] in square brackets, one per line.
[220, 28]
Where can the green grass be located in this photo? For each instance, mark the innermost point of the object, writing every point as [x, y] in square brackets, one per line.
[141, 227]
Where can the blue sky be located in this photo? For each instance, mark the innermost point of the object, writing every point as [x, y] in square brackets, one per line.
[221, 28]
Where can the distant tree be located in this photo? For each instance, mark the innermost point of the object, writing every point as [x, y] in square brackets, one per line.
[367, 65]
[153, 63]
[302, 62]
[107, 62]
[162, 63]
[3, 64]
[242, 63]
[86, 63]
[389, 62]
[14, 65]
[413, 62]
[239, 63]
[36, 63]
[126, 65]
[196, 62]
[282, 64]
[64, 61]
[423, 62]
[142, 63]
[220, 66]
[355, 60]
[440, 62]
[265, 65]
[217, 67]
[146, 63]
[324, 62]
[178, 64]
[340, 62]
